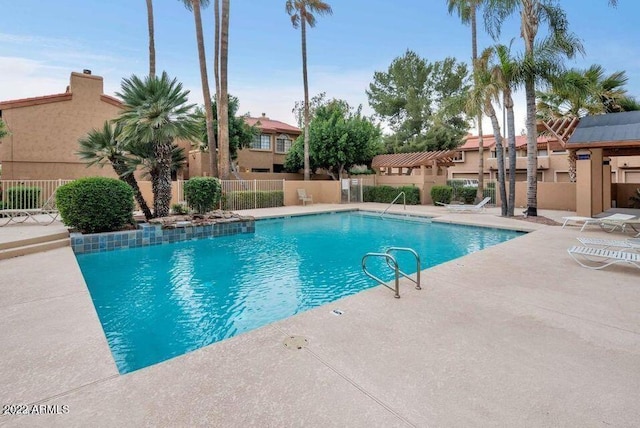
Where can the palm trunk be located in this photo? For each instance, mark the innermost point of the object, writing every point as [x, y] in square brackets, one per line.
[532, 149]
[572, 165]
[127, 177]
[511, 131]
[152, 43]
[307, 170]
[162, 195]
[206, 94]
[499, 158]
[223, 101]
[474, 58]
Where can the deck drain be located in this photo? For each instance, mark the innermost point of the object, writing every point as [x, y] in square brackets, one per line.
[337, 312]
[295, 342]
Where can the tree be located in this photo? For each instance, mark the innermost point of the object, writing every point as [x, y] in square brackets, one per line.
[104, 146]
[152, 42]
[240, 133]
[532, 13]
[222, 96]
[467, 10]
[3, 129]
[155, 112]
[302, 13]
[340, 137]
[195, 6]
[415, 95]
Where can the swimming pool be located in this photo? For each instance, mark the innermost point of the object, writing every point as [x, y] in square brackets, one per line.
[158, 302]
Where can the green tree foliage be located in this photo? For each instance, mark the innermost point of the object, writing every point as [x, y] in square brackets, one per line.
[339, 138]
[240, 133]
[422, 102]
[202, 193]
[95, 204]
[3, 129]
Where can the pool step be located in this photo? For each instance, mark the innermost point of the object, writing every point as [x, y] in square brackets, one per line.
[34, 245]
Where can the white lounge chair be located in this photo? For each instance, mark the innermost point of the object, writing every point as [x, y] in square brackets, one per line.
[602, 221]
[20, 215]
[600, 258]
[630, 244]
[302, 196]
[458, 208]
[576, 219]
[623, 225]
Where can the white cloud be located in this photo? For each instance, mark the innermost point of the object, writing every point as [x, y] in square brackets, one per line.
[22, 78]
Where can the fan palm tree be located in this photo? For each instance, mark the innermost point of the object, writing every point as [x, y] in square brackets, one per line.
[532, 13]
[105, 146]
[195, 6]
[302, 13]
[155, 112]
[222, 94]
[467, 11]
[152, 42]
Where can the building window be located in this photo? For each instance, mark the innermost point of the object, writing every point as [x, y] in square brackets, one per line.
[559, 152]
[283, 144]
[261, 142]
[459, 157]
[493, 154]
[543, 152]
[260, 170]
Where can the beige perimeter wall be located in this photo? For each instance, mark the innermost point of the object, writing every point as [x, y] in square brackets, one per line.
[322, 192]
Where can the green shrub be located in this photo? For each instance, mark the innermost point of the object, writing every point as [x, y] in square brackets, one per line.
[490, 185]
[95, 204]
[467, 194]
[23, 197]
[179, 209]
[202, 193]
[455, 184]
[386, 194]
[247, 199]
[441, 194]
[361, 170]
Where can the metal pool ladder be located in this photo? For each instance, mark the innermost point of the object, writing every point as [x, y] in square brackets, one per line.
[393, 264]
[404, 203]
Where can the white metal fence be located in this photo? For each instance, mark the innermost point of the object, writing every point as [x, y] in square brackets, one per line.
[467, 194]
[251, 194]
[29, 194]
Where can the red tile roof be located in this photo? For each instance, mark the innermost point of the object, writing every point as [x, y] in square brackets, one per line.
[488, 142]
[272, 126]
[412, 160]
[34, 101]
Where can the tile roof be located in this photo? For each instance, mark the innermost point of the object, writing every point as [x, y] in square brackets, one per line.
[620, 129]
[411, 160]
[489, 142]
[274, 126]
[34, 101]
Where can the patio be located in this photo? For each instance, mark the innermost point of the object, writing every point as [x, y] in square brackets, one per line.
[515, 335]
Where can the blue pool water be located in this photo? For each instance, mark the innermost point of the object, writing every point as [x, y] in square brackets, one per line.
[162, 301]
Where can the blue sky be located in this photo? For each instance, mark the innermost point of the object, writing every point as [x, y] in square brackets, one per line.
[41, 42]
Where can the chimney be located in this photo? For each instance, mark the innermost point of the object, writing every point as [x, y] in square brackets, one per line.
[86, 71]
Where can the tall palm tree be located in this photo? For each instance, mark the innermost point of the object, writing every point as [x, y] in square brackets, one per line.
[155, 112]
[302, 13]
[195, 6]
[152, 42]
[532, 13]
[467, 11]
[223, 94]
[104, 146]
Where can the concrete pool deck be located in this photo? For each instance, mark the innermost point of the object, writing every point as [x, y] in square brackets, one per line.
[515, 335]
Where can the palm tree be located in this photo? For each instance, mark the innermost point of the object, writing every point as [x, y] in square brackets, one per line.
[532, 13]
[104, 146]
[155, 112]
[195, 6]
[222, 94]
[467, 10]
[302, 14]
[152, 43]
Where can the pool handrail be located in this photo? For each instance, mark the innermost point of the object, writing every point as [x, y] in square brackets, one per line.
[418, 268]
[388, 257]
[404, 203]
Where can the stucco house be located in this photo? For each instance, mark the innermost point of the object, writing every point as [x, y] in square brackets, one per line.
[267, 151]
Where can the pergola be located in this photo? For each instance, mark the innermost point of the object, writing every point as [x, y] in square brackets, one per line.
[410, 161]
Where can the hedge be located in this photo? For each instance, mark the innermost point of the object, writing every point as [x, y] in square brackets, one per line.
[467, 194]
[249, 199]
[95, 204]
[441, 194]
[202, 193]
[387, 194]
[23, 197]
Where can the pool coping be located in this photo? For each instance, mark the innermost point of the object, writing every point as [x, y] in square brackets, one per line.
[563, 327]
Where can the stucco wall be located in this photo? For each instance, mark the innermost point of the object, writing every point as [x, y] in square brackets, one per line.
[551, 196]
[325, 192]
[624, 191]
[44, 137]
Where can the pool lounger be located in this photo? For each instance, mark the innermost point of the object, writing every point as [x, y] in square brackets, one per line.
[600, 258]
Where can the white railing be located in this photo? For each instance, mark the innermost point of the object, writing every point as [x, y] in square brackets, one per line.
[251, 194]
[28, 194]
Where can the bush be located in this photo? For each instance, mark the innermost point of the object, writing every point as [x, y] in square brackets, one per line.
[386, 194]
[441, 194]
[248, 199]
[95, 204]
[23, 197]
[455, 184]
[467, 194]
[202, 193]
[361, 170]
[179, 209]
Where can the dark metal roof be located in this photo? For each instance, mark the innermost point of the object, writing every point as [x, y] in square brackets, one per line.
[606, 130]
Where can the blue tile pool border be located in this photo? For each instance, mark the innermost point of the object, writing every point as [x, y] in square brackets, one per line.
[154, 234]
